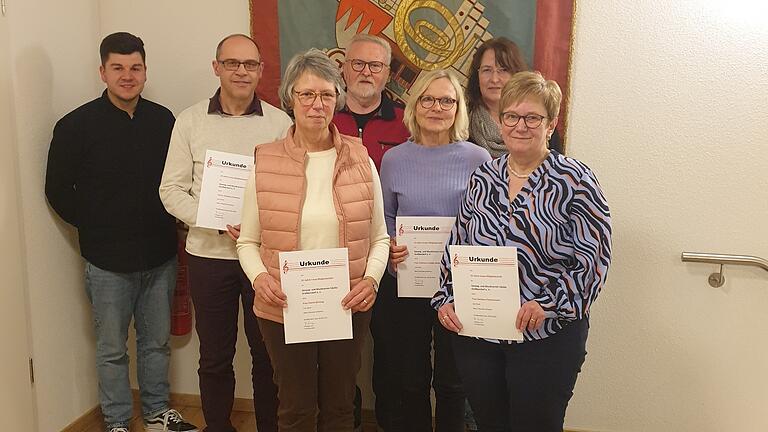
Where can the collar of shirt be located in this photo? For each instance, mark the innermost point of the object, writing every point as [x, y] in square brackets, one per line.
[386, 108]
[214, 106]
[116, 110]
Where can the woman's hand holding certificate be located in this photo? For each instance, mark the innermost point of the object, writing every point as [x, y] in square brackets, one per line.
[315, 283]
[486, 291]
[268, 290]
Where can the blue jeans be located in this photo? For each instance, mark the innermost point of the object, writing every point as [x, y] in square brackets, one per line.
[116, 298]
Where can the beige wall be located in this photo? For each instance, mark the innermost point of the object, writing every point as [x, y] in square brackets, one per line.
[180, 38]
[668, 105]
[53, 70]
[16, 398]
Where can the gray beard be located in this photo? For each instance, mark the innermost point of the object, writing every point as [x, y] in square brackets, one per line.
[363, 95]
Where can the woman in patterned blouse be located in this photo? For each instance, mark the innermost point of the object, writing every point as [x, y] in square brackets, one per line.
[551, 208]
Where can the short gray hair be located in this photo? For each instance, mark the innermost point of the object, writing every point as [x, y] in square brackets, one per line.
[316, 63]
[364, 37]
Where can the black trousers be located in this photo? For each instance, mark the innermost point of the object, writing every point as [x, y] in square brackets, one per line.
[522, 387]
[218, 288]
[405, 331]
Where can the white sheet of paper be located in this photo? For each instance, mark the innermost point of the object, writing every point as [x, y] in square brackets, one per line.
[419, 274]
[222, 189]
[486, 290]
[315, 282]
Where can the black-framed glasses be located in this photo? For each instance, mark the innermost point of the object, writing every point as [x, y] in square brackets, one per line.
[233, 65]
[445, 103]
[308, 97]
[373, 66]
[532, 121]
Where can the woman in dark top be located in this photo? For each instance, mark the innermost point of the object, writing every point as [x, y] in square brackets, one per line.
[494, 63]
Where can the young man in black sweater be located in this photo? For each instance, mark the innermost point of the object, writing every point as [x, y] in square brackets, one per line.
[104, 167]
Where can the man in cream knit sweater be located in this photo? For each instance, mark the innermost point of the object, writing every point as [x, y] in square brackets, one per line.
[234, 120]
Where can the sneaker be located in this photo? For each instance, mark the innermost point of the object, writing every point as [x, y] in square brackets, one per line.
[118, 429]
[168, 421]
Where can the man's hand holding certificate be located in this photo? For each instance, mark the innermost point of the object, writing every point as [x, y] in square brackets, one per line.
[222, 189]
[315, 282]
[486, 291]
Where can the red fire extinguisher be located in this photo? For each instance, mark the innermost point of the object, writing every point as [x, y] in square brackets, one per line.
[181, 308]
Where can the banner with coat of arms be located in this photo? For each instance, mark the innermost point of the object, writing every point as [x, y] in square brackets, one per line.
[424, 35]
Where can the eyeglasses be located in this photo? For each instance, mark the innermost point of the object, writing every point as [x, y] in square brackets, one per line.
[233, 65]
[488, 70]
[308, 97]
[532, 121]
[373, 66]
[428, 102]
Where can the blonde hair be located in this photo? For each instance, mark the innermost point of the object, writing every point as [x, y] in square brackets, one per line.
[524, 85]
[459, 131]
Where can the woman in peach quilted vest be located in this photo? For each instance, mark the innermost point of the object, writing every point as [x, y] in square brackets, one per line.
[314, 189]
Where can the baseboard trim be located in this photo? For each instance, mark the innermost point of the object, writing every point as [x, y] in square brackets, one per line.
[93, 416]
[87, 421]
[369, 417]
[193, 400]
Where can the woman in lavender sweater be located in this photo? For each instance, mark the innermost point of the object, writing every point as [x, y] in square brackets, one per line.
[425, 176]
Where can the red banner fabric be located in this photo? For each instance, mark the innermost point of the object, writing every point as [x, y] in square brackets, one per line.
[266, 32]
[552, 50]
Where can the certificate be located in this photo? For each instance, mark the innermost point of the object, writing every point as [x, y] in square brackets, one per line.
[486, 290]
[222, 189]
[315, 282]
[419, 274]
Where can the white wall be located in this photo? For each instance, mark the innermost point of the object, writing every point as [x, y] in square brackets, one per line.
[669, 106]
[53, 66]
[16, 397]
[180, 38]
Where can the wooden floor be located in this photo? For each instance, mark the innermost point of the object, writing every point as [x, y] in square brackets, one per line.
[242, 421]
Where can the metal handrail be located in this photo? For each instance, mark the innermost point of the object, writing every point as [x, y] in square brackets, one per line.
[718, 279]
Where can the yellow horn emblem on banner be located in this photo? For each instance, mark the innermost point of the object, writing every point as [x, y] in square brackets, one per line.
[442, 48]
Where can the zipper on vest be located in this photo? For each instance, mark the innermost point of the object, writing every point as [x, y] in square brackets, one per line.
[360, 132]
[337, 201]
[301, 206]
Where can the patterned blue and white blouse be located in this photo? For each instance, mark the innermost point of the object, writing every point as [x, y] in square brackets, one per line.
[561, 225]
